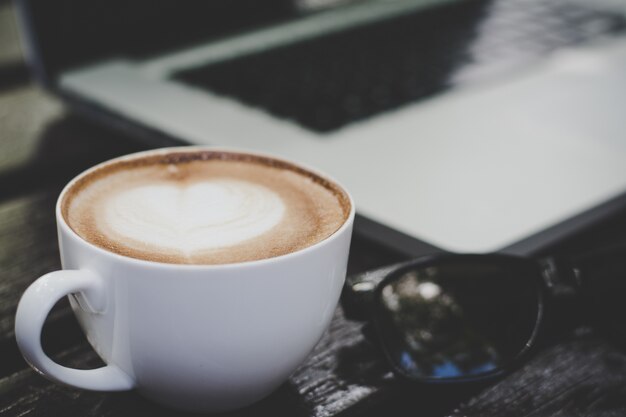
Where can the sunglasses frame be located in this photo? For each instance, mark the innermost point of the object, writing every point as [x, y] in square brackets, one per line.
[532, 268]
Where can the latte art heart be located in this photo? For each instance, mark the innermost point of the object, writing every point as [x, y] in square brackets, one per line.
[203, 207]
[201, 216]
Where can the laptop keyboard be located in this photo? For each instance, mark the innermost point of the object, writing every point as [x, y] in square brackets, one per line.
[328, 82]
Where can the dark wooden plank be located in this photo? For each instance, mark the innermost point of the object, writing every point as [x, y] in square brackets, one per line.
[315, 389]
[28, 249]
[580, 377]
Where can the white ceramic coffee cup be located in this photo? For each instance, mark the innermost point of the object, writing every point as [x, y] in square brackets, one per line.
[194, 337]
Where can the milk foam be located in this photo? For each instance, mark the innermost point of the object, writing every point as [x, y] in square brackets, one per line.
[201, 216]
[203, 207]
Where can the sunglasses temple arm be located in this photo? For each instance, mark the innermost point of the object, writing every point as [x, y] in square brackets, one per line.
[563, 304]
[358, 291]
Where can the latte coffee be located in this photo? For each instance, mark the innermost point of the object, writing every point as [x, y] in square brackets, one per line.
[203, 207]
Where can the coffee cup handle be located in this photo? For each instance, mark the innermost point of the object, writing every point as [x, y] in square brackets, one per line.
[32, 311]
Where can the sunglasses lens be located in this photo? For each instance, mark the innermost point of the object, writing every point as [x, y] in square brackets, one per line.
[458, 319]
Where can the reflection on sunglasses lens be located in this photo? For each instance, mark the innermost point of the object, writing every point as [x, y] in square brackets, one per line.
[456, 320]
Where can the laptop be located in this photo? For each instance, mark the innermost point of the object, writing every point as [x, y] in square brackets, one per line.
[466, 125]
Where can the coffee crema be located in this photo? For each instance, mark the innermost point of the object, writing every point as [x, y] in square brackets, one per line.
[203, 207]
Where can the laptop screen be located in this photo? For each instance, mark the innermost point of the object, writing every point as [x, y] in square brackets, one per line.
[70, 33]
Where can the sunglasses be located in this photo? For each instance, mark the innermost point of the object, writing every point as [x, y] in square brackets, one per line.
[454, 318]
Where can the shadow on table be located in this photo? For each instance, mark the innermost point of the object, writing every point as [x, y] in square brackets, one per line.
[284, 402]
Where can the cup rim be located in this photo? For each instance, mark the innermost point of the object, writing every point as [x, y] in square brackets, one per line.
[65, 227]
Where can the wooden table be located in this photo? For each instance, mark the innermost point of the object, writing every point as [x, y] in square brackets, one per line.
[42, 146]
